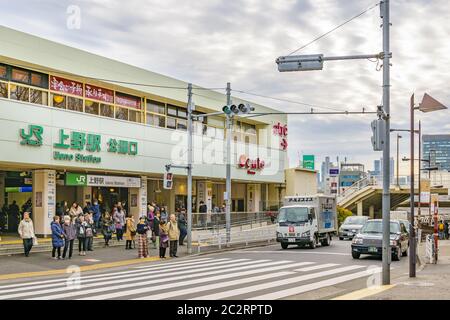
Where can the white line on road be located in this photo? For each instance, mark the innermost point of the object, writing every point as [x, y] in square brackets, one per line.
[121, 294]
[320, 266]
[274, 284]
[315, 285]
[294, 252]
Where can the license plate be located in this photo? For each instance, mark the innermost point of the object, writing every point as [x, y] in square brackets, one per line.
[372, 249]
[291, 240]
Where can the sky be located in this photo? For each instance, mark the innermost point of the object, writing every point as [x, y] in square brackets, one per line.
[212, 42]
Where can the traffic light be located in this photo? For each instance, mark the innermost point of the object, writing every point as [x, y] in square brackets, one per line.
[238, 109]
[378, 134]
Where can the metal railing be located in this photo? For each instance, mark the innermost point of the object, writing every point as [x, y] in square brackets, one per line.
[208, 221]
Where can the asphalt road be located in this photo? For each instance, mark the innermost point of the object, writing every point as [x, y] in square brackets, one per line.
[266, 272]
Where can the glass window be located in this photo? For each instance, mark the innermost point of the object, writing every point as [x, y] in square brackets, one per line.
[20, 75]
[106, 110]
[75, 104]
[293, 215]
[58, 101]
[3, 72]
[19, 93]
[3, 90]
[171, 123]
[182, 113]
[181, 124]
[171, 110]
[157, 121]
[121, 113]
[134, 116]
[156, 107]
[38, 96]
[91, 107]
[39, 80]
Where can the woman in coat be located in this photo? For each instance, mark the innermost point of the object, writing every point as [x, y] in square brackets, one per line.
[26, 232]
[57, 237]
[70, 231]
[81, 235]
[130, 232]
[119, 221]
[163, 239]
[108, 228]
[142, 229]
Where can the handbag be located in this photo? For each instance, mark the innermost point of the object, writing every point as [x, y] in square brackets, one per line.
[35, 241]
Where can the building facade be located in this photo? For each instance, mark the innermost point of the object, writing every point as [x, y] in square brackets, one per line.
[349, 174]
[78, 127]
[437, 148]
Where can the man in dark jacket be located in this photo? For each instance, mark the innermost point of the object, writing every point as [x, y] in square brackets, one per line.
[203, 209]
[182, 225]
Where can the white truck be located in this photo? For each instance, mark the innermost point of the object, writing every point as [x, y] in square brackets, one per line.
[307, 220]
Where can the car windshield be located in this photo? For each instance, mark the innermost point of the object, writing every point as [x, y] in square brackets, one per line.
[377, 227]
[355, 220]
[296, 214]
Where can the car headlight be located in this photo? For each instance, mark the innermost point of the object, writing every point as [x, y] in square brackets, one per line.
[306, 234]
[357, 241]
[393, 242]
[354, 230]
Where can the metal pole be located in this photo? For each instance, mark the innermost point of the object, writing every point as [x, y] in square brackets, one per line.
[189, 170]
[386, 205]
[420, 167]
[398, 163]
[228, 168]
[412, 244]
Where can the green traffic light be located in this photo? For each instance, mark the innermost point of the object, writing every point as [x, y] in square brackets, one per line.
[226, 109]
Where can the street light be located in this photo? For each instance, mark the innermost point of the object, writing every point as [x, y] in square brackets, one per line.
[428, 104]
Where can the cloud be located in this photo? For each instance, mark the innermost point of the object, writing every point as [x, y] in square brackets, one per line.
[212, 42]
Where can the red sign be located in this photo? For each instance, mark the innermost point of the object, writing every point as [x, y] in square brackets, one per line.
[282, 131]
[251, 165]
[291, 229]
[100, 94]
[128, 101]
[66, 86]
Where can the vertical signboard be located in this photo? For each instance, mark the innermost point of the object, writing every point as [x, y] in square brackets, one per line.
[51, 193]
[425, 190]
[308, 161]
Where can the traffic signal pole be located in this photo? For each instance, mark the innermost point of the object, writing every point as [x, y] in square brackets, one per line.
[189, 172]
[229, 123]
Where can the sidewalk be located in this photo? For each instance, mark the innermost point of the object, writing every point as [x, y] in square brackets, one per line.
[431, 283]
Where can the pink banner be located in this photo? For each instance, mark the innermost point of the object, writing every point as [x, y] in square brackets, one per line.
[128, 101]
[66, 86]
[100, 94]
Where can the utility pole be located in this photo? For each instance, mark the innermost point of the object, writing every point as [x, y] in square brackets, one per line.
[398, 159]
[412, 248]
[189, 172]
[386, 203]
[229, 125]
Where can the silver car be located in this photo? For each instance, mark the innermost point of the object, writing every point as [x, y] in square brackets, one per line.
[351, 226]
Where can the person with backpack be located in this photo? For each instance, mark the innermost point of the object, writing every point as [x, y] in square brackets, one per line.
[174, 235]
[57, 237]
[130, 231]
[81, 235]
[108, 228]
[142, 229]
[70, 231]
[163, 239]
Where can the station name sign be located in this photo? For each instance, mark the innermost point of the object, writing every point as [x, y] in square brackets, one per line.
[78, 142]
[89, 180]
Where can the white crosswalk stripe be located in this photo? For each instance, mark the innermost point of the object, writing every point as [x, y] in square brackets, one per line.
[194, 279]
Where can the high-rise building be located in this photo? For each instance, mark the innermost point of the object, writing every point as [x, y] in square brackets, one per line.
[438, 145]
[378, 169]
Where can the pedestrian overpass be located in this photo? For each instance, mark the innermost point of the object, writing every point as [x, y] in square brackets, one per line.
[365, 197]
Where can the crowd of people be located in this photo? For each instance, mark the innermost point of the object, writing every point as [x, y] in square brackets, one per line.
[72, 223]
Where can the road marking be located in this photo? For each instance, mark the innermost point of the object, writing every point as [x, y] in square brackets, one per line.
[107, 286]
[212, 286]
[58, 280]
[363, 293]
[121, 294]
[115, 276]
[182, 262]
[321, 266]
[294, 252]
[274, 284]
[315, 285]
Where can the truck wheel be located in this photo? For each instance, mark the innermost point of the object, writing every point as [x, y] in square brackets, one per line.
[284, 245]
[355, 255]
[312, 244]
[326, 242]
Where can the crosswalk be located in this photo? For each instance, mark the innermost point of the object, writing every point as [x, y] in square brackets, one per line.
[193, 279]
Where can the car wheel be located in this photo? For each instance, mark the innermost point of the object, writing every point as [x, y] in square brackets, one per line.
[355, 255]
[284, 245]
[397, 255]
[341, 238]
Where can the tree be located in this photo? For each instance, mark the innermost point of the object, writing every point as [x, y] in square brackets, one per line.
[342, 214]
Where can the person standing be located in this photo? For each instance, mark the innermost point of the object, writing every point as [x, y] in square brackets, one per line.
[97, 214]
[70, 231]
[75, 210]
[108, 228]
[119, 220]
[155, 231]
[202, 209]
[130, 231]
[142, 229]
[174, 235]
[13, 216]
[446, 229]
[163, 239]
[26, 232]
[182, 225]
[57, 237]
[81, 235]
[90, 232]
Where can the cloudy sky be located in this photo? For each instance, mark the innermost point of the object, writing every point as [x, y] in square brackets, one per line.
[212, 42]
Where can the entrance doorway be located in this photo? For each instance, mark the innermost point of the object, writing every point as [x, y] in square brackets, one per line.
[107, 197]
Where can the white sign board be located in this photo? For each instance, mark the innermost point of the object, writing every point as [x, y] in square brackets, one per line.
[111, 181]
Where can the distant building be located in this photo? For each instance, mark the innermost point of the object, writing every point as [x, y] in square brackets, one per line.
[349, 174]
[378, 169]
[438, 145]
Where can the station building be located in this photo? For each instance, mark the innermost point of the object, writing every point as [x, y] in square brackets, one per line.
[75, 126]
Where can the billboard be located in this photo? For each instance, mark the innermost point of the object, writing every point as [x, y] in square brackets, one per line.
[308, 161]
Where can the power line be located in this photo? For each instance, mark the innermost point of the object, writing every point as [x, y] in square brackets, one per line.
[312, 112]
[335, 28]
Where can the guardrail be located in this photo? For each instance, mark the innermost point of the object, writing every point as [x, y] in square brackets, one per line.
[218, 220]
[267, 233]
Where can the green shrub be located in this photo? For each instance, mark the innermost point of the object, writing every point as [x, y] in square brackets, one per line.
[342, 214]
